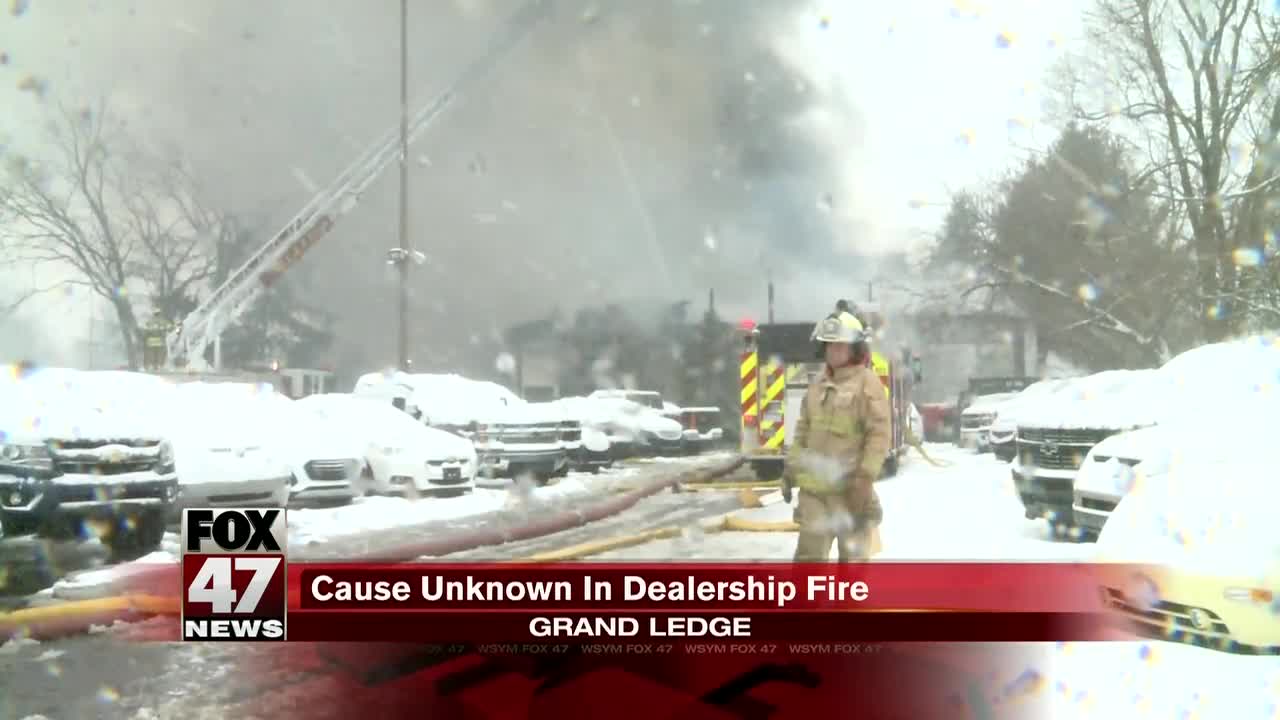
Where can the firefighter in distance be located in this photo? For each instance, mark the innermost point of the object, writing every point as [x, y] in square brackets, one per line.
[841, 440]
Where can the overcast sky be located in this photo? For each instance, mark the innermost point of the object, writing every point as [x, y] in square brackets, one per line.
[945, 93]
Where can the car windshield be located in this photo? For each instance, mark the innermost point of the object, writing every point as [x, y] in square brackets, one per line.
[539, 238]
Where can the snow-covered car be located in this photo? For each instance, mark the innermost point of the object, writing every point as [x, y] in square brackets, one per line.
[702, 428]
[1056, 433]
[1202, 391]
[648, 431]
[511, 436]
[982, 393]
[1205, 526]
[602, 444]
[1107, 473]
[324, 462]
[70, 455]
[404, 456]
[222, 457]
[975, 420]
[1203, 386]
[1003, 431]
[648, 398]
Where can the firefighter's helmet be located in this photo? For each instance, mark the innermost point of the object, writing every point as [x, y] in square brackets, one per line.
[841, 328]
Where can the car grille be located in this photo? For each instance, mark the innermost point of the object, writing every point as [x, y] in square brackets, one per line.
[76, 457]
[1055, 449]
[526, 434]
[327, 470]
[1087, 438]
[85, 467]
[83, 444]
[1172, 621]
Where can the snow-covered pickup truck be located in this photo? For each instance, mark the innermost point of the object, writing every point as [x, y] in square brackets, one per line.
[1206, 396]
[702, 428]
[1055, 435]
[72, 460]
[511, 436]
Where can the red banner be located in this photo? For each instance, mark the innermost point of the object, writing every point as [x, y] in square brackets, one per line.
[677, 604]
[595, 587]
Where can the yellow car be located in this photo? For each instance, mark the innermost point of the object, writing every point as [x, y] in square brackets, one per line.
[1203, 515]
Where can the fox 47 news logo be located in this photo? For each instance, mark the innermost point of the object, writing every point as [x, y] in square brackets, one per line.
[233, 574]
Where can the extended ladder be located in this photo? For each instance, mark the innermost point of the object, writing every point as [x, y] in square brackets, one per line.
[190, 338]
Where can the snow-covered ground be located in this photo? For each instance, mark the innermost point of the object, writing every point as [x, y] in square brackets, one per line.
[964, 509]
[968, 510]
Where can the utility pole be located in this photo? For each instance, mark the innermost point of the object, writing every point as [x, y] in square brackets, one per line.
[405, 249]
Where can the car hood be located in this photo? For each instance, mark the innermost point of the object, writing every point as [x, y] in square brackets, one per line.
[1132, 445]
[1115, 399]
[1177, 519]
[33, 420]
[460, 412]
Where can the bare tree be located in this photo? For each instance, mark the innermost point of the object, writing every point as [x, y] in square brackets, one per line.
[101, 214]
[1186, 81]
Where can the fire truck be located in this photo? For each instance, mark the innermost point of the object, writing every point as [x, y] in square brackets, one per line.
[186, 343]
[778, 362]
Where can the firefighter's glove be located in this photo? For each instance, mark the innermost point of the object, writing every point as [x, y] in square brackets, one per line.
[788, 482]
[857, 493]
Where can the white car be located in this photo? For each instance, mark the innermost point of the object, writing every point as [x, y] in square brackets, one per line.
[405, 456]
[222, 455]
[1203, 520]
[975, 420]
[1107, 473]
[324, 463]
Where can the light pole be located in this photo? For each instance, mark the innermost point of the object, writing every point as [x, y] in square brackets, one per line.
[405, 251]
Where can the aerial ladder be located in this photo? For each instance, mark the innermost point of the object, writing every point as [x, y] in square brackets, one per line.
[189, 339]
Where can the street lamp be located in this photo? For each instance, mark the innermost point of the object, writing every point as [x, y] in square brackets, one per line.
[402, 254]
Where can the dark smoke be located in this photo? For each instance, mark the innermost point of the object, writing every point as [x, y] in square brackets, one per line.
[637, 152]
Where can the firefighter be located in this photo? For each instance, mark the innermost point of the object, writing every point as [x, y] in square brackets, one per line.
[841, 441]
[153, 342]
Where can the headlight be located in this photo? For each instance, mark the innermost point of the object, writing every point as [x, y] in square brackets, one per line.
[36, 456]
[165, 457]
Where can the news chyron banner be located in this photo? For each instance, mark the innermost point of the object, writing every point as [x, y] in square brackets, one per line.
[236, 586]
[677, 608]
[234, 575]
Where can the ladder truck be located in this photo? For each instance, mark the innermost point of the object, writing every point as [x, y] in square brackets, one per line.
[189, 339]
